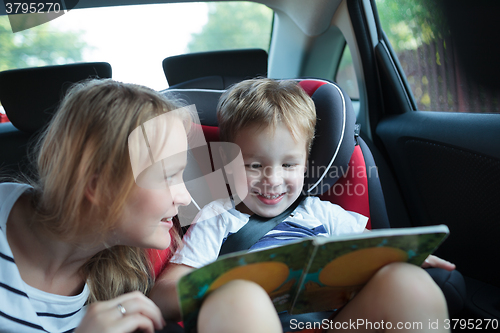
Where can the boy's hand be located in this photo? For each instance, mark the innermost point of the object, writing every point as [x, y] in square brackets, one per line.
[433, 261]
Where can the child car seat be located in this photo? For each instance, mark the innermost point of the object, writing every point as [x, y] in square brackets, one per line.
[345, 171]
[341, 168]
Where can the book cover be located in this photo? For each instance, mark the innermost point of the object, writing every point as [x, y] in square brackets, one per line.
[314, 274]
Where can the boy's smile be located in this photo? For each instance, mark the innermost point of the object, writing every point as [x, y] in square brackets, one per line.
[275, 166]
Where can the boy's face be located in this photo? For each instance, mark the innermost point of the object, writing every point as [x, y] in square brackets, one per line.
[275, 165]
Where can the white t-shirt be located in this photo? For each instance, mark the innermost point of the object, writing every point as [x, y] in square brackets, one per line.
[217, 220]
[22, 307]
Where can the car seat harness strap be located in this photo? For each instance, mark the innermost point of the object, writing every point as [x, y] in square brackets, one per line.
[256, 227]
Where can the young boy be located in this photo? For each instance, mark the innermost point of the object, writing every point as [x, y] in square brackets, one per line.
[273, 124]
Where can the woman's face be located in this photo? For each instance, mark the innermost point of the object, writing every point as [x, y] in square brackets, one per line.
[147, 217]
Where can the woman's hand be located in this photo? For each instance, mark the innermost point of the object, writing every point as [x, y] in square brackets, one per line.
[126, 313]
[433, 261]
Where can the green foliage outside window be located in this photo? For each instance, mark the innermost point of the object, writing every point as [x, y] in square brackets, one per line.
[419, 34]
[39, 46]
[234, 25]
[410, 23]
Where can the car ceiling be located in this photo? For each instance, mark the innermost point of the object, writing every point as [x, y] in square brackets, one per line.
[313, 17]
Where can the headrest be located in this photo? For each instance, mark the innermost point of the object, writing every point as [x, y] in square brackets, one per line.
[30, 96]
[216, 69]
[205, 100]
[335, 139]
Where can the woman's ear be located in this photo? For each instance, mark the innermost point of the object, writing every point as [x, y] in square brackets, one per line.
[91, 190]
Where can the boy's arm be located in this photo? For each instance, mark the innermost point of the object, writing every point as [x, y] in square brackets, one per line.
[164, 292]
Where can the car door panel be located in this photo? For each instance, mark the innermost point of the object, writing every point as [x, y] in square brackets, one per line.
[448, 168]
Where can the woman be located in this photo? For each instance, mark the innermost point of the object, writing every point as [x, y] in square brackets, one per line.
[72, 243]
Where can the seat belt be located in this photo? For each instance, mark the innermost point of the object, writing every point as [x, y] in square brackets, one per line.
[256, 227]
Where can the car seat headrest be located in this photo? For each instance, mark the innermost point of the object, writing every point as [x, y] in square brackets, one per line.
[334, 140]
[205, 101]
[30, 96]
[216, 69]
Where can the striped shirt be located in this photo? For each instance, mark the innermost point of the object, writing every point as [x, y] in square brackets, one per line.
[219, 219]
[22, 307]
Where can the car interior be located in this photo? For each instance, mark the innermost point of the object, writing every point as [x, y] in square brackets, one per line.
[433, 166]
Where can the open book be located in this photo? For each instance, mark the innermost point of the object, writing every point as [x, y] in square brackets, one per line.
[315, 274]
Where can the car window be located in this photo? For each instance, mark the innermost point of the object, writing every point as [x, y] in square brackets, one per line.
[346, 76]
[136, 39]
[421, 39]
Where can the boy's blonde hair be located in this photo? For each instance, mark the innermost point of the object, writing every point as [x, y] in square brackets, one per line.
[87, 143]
[266, 102]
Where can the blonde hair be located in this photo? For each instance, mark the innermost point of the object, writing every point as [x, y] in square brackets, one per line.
[266, 102]
[86, 142]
